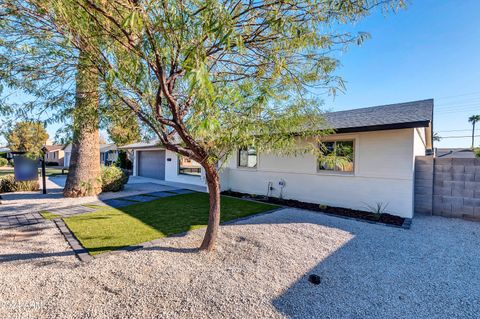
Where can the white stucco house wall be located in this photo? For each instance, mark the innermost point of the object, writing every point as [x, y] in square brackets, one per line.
[382, 144]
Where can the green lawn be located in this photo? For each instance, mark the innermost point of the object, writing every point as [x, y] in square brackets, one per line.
[50, 171]
[48, 215]
[112, 228]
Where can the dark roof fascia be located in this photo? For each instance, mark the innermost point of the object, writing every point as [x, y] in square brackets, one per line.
[383, 127]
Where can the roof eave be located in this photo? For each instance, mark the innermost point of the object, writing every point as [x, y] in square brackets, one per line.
[383, 127]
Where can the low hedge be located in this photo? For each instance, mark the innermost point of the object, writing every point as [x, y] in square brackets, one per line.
[9, 185]
[113, 179]
[3, 162]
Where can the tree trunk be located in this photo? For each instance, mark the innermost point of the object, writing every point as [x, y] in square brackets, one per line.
[473, 134]
[213, 182]
[84, 172]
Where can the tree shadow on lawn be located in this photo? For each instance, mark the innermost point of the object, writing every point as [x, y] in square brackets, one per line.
[116, 228]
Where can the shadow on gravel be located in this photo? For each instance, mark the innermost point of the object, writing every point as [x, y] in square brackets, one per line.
[32, 256]
[384, 272]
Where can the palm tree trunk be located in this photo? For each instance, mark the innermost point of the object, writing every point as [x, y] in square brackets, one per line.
[84, 172]
[473, 134]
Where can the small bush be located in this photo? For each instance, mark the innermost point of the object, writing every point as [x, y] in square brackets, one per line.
[8, 185]
[3, 162]
[113, 179]
[477, 152]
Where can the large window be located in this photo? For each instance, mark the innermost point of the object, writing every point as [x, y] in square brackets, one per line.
[187, 166]
[247, 157]
[337, 156]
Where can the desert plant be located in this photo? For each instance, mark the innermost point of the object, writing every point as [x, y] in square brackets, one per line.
[113, 179]
[3, 162]
[378, 208]
[8, 184]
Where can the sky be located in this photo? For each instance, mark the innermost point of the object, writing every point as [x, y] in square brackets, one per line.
[431, 49]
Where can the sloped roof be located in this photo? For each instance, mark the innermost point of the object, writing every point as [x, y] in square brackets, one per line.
[384, 117]
[108, 147]
[150, 144]
[52, 148]
[455, 152]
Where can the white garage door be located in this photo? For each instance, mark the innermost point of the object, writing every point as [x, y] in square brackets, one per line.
[151, 164]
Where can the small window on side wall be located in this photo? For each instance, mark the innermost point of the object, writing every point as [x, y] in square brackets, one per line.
[337, 156]
[187, 166]
[247, 157]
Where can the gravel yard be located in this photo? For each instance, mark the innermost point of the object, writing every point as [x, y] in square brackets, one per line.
[259, 270]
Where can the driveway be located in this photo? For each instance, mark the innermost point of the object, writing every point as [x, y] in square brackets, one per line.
[259, 270]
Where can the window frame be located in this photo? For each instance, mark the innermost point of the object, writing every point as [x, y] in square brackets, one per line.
[335, 172]
[186, 174]
[247, 167]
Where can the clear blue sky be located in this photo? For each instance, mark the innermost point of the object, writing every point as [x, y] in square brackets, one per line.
[429, 50]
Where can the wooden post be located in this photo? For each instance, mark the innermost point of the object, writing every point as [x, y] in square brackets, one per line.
[44, 175]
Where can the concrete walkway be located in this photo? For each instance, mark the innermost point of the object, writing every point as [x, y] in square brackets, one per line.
[22, 208]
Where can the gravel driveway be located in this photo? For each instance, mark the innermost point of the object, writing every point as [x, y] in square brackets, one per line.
[259, 270]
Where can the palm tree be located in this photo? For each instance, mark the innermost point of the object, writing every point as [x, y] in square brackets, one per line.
[473, 119]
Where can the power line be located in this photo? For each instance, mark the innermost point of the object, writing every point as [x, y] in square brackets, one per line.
[456, 131]
[452, 96]
[469, 136]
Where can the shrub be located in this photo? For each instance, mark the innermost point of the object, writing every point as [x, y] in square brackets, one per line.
[477, 152]
[3, 162]
[113, 179]
[8, 185]
[123, 161]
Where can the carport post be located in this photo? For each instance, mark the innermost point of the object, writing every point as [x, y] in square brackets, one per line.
[44, 177]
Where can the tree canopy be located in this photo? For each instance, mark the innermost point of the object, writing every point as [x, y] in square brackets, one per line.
[207, 76]
[27, 137]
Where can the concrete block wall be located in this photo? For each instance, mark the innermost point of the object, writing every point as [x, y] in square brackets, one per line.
[424, 185]
[454, 190]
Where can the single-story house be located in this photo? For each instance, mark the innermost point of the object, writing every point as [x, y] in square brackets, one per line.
[55, 154]
[108, 154]
[372, 160]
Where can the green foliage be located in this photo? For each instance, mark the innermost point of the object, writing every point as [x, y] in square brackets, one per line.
[378, 208]
[477, 152]
[124, 131]
[224, 74]
[113, 179]
[109, 228]
[49, 215]
[3, 162]
[27, 137]
[8, 184]
[123, 162]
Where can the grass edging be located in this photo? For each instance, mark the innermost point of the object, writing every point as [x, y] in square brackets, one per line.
[81, 252]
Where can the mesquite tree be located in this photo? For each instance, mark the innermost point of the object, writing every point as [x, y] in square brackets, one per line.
[209, 77]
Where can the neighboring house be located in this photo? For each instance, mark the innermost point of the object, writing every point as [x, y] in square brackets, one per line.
[55, 154]
[5, 151]
[372, 156]
[108, 154]
[455, 152]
